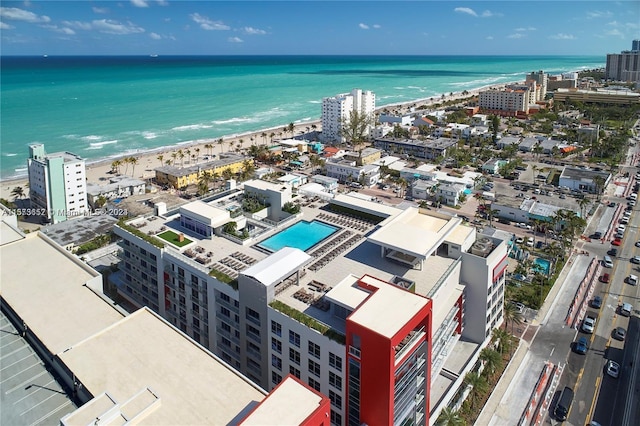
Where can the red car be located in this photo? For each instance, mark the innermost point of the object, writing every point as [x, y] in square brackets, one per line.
[604, 278]
[616, 242]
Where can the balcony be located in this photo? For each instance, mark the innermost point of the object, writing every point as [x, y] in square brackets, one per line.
[406, 343]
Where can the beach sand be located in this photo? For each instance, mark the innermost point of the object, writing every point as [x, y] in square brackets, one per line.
[98, 172]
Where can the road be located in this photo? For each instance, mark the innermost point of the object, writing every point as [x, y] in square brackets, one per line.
[599, 397]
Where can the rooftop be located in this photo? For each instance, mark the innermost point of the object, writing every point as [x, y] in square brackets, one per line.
[225, 159]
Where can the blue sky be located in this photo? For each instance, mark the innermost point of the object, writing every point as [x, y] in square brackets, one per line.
[165, 27]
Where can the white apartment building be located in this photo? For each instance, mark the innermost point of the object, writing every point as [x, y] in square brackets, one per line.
[503, 102]
[348, 171]
[273, 313]
[542, 79]
[337, 109]
[57, 184]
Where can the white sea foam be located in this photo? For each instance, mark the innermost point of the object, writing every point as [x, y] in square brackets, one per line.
[191, 127]
[314, 102]
[91, 138]
[20, 170]
[99, 145]
[149, 135]
[9, 154]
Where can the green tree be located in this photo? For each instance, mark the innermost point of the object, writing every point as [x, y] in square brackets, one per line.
[492, 361]
[479, 387]
[503, 339]
[448, 417]
[511, 315]
[17, 192]
[355, 127]
[494, 121]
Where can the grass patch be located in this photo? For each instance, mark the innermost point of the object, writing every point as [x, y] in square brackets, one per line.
[308, 321]
[174, 238]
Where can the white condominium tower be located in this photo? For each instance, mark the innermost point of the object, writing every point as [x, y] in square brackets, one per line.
[57, 184]
[337, 108]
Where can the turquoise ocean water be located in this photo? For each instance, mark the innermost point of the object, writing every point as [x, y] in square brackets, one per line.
[104, 107]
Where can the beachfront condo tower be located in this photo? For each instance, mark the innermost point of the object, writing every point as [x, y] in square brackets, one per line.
[57, 184]
[337, 109]
[624, 66]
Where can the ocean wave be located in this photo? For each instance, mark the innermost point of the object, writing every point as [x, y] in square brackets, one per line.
[9, 154]
[91, 138]
[191, 127]
[315, 102]
[99, 145]
[149, 135]
[20, 170]
[233, 120]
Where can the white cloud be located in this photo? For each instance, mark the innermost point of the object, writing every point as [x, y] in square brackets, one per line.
[139, 3]
[466, 10]
[377, 26]
[562, 36]
[114, 27]
[596, 14]
[208, 24]
[15, 14]
[487, 14]
[516, 35]
[235, 40]
[100, 10]
[78, 25]
[4, 26]
[363, 26]
[254, 31]
[155, 36]
[615, 33]
[489, 37]
[522, 29]
[62, 30]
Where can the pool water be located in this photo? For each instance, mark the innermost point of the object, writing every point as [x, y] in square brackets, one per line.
[303, 235]
[467, 191]
[542, 265]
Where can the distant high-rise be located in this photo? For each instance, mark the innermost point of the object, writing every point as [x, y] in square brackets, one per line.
[624, 66]
[338, 108]
[57, 183]
[541, 79]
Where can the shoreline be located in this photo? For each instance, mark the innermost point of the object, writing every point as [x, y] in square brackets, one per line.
[97, 170]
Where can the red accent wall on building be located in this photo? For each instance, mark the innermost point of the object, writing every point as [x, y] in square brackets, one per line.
[377, 365]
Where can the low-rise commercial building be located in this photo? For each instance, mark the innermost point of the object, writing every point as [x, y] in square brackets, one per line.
[180, 177]
[429, 149]
[117, 187]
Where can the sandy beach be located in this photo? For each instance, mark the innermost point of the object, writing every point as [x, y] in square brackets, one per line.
[98, 172]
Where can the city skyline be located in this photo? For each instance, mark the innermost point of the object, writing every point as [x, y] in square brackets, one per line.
[160, 27]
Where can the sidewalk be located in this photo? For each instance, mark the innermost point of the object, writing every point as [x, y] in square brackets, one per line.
[491, 411]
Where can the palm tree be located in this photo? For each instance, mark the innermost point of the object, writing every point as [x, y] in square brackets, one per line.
[174, 155]
[511, 315]
[503, 339]
[115, 166]
[271, 135]
[492, 361]
[448, 417]
[221, 143]
[160, 158]
[181, 156]
[197, 154]
[583, 203]
[290, 128]
[17, 192]
[492, 212]
[478, 385]
[598, 181]
[133, 161]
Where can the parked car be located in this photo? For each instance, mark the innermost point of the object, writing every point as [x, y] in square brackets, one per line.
[626, 309]
[530, 242]
[616, 242]
[613, 369]
[632, 279]
[637, 243]
[604, 278]
[613, 252]
[619, 333]
[635, 259]
[589, 324]
[580, 346]
[596, 303]
[596, 235]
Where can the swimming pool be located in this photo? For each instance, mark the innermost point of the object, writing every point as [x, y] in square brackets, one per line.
[542, 265]
[467, 191]
[303, 235]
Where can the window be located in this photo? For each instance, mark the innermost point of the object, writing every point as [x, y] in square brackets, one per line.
[294, 338]
[225, 297]
[276, 328]
[276, 345]
[294, 356]
[335, 380]
[275, 378]
[314, 368]
[253, 316]
[294, 371]
[226, 327]
[224, 311]
[253, 333]
[276, 362]
[336, 400]
[336, 418]
[314, 384]
[335, 361]
[314, 350]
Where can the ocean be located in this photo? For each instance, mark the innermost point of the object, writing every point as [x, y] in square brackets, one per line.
[105, 107]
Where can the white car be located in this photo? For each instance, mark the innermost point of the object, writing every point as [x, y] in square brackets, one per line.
[635, 259]
[523, 225]
[621, 228]
[530, 242]
[613, 369]
[637, 243]
[588, 325]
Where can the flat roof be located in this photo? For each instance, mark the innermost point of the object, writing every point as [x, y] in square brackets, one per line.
[216, 216]
[35, 271]
[279, 265]
[291, 403]
[381, 210]
[8, 233]
[144, 351]
[400, 233]
[387, 309]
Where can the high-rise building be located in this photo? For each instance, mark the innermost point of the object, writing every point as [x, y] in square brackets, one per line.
[369, 313]
[337, 109]
[635, 45]
[624, 66]
[507, 102]
[541, 79]
[57, 184]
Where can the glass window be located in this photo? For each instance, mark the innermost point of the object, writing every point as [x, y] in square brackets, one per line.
[336, 400]
[276, 328]
[335, 361]
[275, 378]
[294, 371]
[335, 380]
[314, 384]
[314, 368]
[276, 362]
[294, 338]
[314, 350]
[276, 345]
[294, 356]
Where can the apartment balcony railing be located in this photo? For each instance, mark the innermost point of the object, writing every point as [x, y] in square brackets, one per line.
[443, 278]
